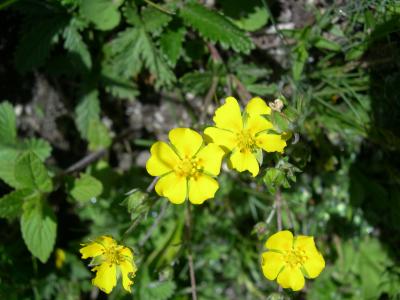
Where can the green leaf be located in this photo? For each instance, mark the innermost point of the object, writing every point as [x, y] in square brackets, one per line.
[136, 203]
[215, 27]
[75, 44]
[11, 204]
[275, 178]
[86, 187]
[300, 59]
[248, 15]
[323, 43]
[197, 82]
[158, 290]
[87, 111]
[103, 13]
[8, 127]
[171, 43]
[133, 49]
[31, 173]
[40, 147]
[154, 19]
[39, 228]
[98, 135]
[8, 157]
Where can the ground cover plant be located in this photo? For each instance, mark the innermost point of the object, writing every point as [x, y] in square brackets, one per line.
[174, 149]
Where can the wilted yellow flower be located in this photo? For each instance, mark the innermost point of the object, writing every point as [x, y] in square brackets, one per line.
[245, 136]
[290, 259]
[59, 258]
[186, 167]
[110, 261]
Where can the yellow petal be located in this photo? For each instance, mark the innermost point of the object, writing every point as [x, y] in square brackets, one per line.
[314, 265]
[202, 188]
[315, 262]
[291, 278]
[91, 250]
[105, 278]
[256, 124]
[271, 142]
[172, 187]
[257, 106]
[162, 159]
[222, 137]
[272, 263]
[282, 241]
[210, 158]
[125, 251]
[186, 141]
[229, 116]
[243, 161]
[128, 270]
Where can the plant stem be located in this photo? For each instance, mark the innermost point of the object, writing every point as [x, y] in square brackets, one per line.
[189, 250]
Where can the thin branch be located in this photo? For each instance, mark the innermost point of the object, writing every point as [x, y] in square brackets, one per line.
[155, 224]
[208, 98]
[278, 204]
[189, 249]
[85, 161]
[289, 213]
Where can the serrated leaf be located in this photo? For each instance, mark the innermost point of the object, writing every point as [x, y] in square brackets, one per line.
[103, 13]
[86, 187]
[197, 82]
[31, 173]
[11, 204]
[131, 50]
[87, 110]
[249, 15]
[215, 27]
[158, 290]
[40, 147]
[171, 43]
[98, 135]
[154, 19]
[39, 228]
[74, 43]
[8, 127]
[120, 88]
[8, 156]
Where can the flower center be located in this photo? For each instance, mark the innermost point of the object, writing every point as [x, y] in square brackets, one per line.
[188, 167]
[295, 258]
[245, 141]
[113, 255]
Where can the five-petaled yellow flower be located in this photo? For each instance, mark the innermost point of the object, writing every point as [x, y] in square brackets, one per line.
[244, 135]
[186, 167]
[290, 259]
[110, 260]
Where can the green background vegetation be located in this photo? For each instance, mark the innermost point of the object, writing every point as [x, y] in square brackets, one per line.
[91, 84]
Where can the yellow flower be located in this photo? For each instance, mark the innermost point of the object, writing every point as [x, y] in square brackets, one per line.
[244, 135]
[110, 260]
[59, 257]
[290, 259]
[186, 167]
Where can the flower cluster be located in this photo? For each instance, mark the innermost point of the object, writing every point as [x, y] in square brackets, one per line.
[187, 166]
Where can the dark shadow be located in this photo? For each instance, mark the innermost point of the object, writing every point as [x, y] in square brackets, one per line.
[375, 176]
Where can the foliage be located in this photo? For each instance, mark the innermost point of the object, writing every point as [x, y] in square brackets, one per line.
[86, 88]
